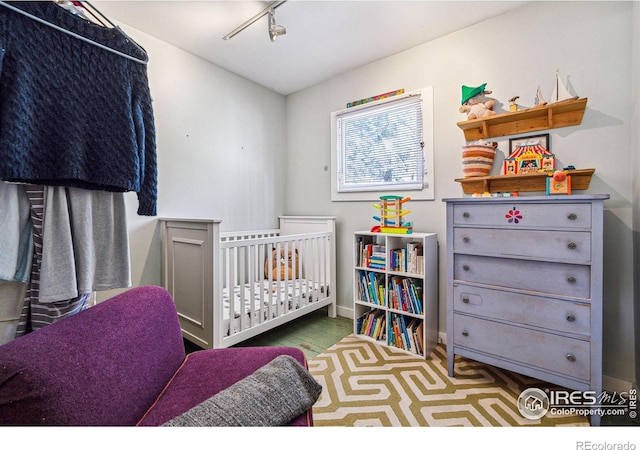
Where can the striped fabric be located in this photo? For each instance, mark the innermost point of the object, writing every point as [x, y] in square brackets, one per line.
[477, 160]
[35, 315]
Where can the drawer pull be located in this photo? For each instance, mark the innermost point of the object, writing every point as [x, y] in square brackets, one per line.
[572, 216]
[465, 299]
[572, 246]
[571, 280]
[571, 357]
[465, 333]
[466, 239]
[465, 215]
[465, 268]
[571, 318]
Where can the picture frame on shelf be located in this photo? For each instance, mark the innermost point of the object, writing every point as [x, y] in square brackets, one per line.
[542, 139]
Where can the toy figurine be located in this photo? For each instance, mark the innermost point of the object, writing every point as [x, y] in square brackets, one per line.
[474, 102]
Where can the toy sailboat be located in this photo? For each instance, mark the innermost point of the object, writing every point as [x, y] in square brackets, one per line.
[539, 101]
[560, 92]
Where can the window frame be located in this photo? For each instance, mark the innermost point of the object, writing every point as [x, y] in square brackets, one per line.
[427, 191]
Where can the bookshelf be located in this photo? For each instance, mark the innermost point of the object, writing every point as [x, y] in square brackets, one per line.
[395, 290]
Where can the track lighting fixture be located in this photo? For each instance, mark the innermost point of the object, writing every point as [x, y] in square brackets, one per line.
[274, 29]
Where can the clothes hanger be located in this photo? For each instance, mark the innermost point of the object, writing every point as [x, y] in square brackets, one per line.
[77, 8]
[82, 38]
[95, 12]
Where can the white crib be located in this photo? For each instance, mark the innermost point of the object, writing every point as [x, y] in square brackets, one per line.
[223, 292]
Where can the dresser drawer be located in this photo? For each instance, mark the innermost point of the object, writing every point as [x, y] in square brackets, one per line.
[543, 312]
[523, 214]
[546, 351]
[567, 246]
[548, 277]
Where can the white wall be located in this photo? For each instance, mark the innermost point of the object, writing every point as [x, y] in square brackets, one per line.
[589, 42]
[221, 151]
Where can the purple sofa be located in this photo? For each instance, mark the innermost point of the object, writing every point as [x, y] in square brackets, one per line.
[121, 362]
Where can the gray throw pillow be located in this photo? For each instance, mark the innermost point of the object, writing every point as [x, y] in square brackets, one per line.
[273, 395]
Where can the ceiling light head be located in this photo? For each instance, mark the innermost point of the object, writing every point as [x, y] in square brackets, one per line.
[274, 29]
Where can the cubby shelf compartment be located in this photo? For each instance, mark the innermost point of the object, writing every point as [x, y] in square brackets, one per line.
[525, 182]
[555, 115]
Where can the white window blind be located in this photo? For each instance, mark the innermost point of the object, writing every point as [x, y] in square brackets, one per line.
[381, 147]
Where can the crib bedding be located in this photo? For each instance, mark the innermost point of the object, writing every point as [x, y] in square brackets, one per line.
[276, 298]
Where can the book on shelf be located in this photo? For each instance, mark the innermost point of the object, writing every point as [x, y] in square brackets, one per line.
[420, 336]
[399, 332]
[371, 255]
[405, 294]
[371, 287]
[377, 257]
[406, 333]
[414, 330]
[373, 324]
[409, 258]
[359, 321]
[362, 252]
[394, 335]
[414, 290]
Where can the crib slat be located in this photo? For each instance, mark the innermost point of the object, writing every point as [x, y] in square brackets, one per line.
[304, 248]
[231, 281]
[262, 255]
[244, 301]
[280, 300]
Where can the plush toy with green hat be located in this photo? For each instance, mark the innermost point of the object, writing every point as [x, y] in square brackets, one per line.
[474, 102]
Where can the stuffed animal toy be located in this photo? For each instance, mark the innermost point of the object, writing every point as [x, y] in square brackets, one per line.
[282, 267]
[475, 104]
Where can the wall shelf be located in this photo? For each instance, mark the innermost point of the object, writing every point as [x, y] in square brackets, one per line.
[555, 115]
[525, 182]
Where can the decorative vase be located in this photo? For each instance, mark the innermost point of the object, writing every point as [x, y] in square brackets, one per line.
[477, 159]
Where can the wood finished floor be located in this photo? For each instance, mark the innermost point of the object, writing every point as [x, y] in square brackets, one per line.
[312, 333]
[315, 332]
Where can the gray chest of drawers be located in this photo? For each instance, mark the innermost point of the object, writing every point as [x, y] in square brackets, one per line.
[524, 286]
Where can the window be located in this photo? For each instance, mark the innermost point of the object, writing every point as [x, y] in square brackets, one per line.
[384, 146]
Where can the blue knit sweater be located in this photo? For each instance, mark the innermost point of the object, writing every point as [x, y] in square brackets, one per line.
[71, 113]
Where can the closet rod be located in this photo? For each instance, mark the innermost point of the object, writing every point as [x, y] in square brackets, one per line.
[82, 38]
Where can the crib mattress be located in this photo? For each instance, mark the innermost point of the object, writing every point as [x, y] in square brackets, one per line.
[275, 297]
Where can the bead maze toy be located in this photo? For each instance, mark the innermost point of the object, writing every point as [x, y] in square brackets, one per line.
[391, 215]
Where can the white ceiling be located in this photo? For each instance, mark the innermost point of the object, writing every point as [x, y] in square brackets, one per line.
[324, 38]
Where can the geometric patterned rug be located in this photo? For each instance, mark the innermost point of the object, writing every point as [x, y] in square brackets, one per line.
[370, 385]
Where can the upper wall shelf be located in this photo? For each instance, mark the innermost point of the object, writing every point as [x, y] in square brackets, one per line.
[555, 115]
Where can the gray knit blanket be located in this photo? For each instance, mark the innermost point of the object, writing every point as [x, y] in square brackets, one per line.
[273, 395]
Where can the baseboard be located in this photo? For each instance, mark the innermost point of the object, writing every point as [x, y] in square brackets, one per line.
[344, 312]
